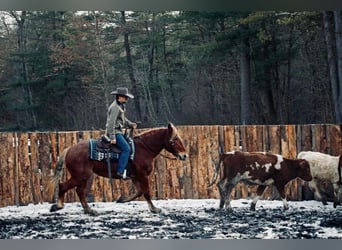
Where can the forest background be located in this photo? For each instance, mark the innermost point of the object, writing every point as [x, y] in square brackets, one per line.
[57, 68]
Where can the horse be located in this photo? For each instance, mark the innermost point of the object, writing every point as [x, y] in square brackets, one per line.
[148, 144]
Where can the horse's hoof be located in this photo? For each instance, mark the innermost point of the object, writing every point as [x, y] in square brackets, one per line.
[55, 208]
[156, 210]
[229, 209]
[91, 212]
[335, 204]
[121, 199]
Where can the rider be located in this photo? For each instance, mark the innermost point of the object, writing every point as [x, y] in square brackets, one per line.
[116, 122]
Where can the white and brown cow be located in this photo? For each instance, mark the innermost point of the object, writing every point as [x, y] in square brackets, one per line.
[324, 169]
[257, 168]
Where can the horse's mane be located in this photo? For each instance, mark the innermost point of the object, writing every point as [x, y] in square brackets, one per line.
[149, 131]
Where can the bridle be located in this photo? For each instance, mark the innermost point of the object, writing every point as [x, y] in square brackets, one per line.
[172, 141]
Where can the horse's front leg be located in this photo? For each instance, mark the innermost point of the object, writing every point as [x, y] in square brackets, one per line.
[145, 188]
[138, 193]
[142, 186]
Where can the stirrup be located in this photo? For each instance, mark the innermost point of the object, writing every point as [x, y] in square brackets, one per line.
[124, 175]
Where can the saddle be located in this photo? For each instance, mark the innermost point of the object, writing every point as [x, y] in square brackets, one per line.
[100, 149]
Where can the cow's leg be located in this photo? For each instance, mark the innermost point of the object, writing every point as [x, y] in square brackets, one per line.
[337, 194]
[225, 188]
[221, 187]
[260, 191]
[281, 190]
[285, 205]
[317, 192]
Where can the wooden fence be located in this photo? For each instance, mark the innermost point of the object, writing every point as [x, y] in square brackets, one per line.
[28, 159]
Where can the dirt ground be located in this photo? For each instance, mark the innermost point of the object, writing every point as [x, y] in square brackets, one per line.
[179, 219]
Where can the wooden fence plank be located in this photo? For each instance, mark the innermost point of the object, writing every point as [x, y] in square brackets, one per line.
[187, 170]
[194, 155]
[335, 140]
[274, 139]
[284, 141]
[203, 160]
[305, 138]
[251, 137]
[62, 144]
[25, 194]
[319, 138]
[7, 187]
[36, 171]
[44, 160]
[54, 150]
[229, 139]
[244, 138]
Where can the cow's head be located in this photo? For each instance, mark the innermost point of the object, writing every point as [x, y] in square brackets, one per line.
[304, 170]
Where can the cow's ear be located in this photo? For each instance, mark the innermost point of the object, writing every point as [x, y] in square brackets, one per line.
[303, 163]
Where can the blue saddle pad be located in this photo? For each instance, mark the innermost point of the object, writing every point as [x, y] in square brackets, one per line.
[98, 154]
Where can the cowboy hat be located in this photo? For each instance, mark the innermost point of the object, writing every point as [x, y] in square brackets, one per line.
[123, 92]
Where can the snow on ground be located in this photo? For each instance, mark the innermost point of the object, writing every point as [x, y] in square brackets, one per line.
[179, 219]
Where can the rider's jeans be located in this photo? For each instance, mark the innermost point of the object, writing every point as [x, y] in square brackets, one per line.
[125, 151]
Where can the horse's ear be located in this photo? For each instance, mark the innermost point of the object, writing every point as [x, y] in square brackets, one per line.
[170, 128]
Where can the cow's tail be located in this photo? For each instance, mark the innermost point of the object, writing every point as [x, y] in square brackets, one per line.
[51, 189]
[216, 173]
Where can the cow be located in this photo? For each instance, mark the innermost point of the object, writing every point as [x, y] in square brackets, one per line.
[257, 168]
[325, 169]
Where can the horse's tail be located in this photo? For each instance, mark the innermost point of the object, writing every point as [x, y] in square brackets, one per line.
[51, 189]
[217, 170]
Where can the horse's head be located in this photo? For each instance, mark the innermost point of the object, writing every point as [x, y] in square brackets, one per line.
[174, 143]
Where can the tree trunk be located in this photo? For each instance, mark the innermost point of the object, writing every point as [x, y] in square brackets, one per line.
[287, 83]
[338, 35]
[24, 69]
[135, 88]
[150, 33]
[269, 114]
[245, 82]
[103, 65]
[332, 63]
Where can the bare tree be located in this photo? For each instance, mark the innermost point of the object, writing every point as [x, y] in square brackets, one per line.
[338, 36]
[135, 89]
[332, 64]
[20, 18]
[245, 81]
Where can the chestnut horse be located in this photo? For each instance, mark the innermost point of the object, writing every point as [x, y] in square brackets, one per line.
[148, 145]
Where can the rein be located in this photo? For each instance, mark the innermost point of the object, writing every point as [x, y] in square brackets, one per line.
[149, 148]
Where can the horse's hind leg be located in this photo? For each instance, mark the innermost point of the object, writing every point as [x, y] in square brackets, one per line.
[81, 192]
[62, 189]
